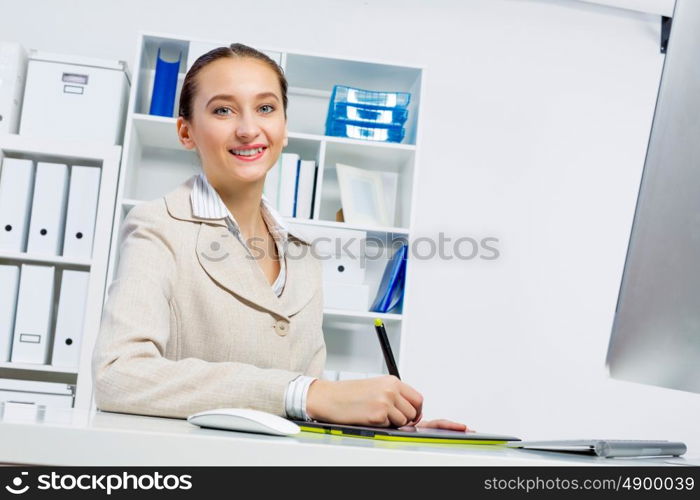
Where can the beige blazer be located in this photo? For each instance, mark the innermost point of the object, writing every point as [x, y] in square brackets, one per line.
[191, 322]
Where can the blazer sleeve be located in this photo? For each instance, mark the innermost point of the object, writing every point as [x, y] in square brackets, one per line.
[130, 372]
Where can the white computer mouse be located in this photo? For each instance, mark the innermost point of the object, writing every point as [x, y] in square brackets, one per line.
[244, 420]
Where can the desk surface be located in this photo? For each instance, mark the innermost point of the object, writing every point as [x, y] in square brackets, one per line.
[53, 436]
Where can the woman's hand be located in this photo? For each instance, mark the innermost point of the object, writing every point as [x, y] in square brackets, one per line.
[378, 401]
[443, 424]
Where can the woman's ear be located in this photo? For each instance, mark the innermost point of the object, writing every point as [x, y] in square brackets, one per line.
[286, 141]
[183, 133]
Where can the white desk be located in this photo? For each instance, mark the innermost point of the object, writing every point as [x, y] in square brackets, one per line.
[47, 436]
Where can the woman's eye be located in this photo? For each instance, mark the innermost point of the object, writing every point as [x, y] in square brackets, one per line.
[271, 108]
[216, 111]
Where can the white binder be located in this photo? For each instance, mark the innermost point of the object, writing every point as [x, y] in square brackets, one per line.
[48, 209]
[9, 279]
[70, 319]
[305, 189]
[82, 211]
[16, 186]
[33, 322]
[287, 184]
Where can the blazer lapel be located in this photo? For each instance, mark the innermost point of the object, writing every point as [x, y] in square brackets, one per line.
[228, 263]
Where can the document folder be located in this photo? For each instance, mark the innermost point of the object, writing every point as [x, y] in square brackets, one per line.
[81, 212]
[48, 209]
[33, 323]
[289, 169]
[70, 319]
[9, 280]
[305, 190]
[16, 186]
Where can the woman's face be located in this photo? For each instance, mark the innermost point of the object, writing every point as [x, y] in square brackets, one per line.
[237, 122]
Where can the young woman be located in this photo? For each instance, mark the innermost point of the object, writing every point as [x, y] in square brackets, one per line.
[215, 303]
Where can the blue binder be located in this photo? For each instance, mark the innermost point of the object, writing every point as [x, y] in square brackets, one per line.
[390, 293]
[164, 87]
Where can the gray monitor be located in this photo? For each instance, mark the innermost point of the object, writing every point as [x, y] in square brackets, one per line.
[656, 331]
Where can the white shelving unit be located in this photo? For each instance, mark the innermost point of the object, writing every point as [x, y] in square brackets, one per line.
[68, 152]
[154, 163]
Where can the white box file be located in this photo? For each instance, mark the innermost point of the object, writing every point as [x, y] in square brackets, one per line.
[76, 98]
[36, 398]
[81, 212]
[12, 384]
[13, 71]
[48, 209]
[22, 395]
[16, 188]
[342, 296]
[9, 282]
[30, 343]
[70, 319]
[341, 251]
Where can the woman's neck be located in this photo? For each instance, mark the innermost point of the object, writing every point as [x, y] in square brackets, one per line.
[244, 205]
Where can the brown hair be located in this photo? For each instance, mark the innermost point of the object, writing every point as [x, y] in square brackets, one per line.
[189, 86]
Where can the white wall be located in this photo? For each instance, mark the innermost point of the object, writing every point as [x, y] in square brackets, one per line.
[537, 115]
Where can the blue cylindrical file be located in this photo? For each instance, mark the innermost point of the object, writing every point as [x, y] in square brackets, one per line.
[164, 86]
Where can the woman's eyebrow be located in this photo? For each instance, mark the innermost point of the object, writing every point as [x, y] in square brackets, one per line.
[229, 97]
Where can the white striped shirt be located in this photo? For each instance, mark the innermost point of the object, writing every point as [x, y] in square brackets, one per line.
[207, 204]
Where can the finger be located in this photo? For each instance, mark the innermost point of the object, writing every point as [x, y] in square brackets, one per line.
[445, 424]
[417, 419]
[397, 418]
[449, 424]
[406, 409]
[412, 396]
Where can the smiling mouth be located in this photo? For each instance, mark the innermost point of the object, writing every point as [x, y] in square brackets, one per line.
[248, 154]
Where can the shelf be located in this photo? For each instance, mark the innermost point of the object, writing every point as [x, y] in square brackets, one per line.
[361, 315]
[376, 231]
[157, 131]
[372, 231]
[45, 259]
[374, 144]
[36, 368]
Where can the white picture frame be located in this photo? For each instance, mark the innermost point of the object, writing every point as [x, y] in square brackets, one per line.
[362, 196]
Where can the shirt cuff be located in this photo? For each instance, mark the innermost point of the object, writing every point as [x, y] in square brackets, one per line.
[295, 397]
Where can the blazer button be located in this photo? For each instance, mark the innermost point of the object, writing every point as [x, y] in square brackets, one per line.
[282, 328]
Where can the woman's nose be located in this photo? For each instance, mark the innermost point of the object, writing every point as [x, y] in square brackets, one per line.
[247, 126]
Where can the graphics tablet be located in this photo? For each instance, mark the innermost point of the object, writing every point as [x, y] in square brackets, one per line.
[407, 433]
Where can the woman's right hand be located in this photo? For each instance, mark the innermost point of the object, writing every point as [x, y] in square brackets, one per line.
[379, 401]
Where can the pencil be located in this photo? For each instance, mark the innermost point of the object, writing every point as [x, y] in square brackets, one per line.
[386, 348]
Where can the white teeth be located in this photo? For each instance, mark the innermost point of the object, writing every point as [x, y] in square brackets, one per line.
[247, 152]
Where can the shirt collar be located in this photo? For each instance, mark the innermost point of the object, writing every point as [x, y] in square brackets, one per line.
[207, 204]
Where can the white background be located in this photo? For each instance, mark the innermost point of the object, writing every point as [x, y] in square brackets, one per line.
[536, 120]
